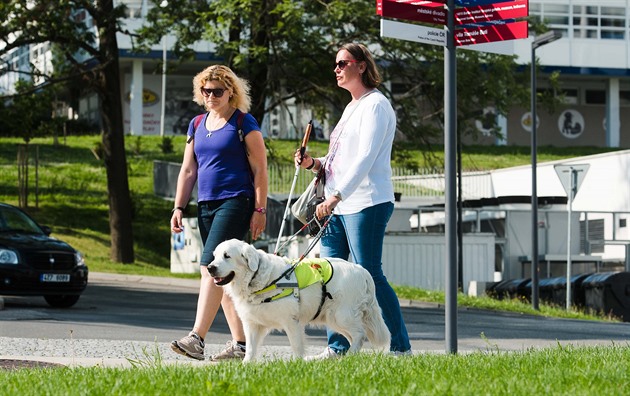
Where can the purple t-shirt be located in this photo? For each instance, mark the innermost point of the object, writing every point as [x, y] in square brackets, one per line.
[223, 169]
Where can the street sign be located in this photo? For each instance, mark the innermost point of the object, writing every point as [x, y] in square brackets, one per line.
[491, 33]
[420, 11]
[437, 36]
[435, 13]
[409, 32]
[469, 3]
[491, 12]
[571, 177]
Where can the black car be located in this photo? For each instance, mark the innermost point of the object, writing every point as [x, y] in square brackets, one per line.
[32, 263]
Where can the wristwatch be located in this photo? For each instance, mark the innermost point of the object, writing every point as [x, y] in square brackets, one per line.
[262, 210]
[337, 194]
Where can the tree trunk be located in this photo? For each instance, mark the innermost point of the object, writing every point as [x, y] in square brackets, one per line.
[108, 86]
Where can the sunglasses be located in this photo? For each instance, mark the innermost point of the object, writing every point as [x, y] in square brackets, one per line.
[343, 63]
[217, 92]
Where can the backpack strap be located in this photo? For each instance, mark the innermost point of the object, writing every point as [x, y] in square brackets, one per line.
[239, 128]
[196, 122]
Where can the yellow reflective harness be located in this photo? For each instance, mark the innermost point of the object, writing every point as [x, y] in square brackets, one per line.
[299, 275]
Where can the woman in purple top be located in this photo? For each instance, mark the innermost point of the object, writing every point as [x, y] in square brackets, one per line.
[231, 177]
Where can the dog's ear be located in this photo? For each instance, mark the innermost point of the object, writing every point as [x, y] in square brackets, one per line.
[251, 256]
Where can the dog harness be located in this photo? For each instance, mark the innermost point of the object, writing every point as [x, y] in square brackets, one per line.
[299, 275]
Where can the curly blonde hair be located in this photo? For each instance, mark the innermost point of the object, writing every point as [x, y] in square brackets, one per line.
[239, 87]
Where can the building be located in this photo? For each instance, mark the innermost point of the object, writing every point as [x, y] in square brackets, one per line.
[593, 57]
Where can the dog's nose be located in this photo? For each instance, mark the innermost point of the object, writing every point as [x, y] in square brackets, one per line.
[212, 269]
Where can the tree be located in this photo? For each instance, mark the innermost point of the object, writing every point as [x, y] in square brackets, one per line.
[89, 53]
[286, 50]
[283, 47]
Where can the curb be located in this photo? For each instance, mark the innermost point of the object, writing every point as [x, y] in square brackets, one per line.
[104, 277]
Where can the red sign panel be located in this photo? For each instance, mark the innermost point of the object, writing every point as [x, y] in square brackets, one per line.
[413, 10]
[435, 13]
[491, 12]
[491, 33]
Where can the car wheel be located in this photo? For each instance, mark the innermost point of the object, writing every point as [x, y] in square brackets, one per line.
[64, 301]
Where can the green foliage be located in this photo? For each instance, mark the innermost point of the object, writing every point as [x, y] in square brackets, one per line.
[560, 370]
[166, 145]
[24, 116]
[286, 48]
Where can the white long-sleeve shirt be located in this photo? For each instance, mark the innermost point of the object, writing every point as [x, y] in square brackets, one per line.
[360, 166]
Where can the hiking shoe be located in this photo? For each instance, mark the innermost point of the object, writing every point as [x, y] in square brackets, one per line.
[328, 353]
[192, 346]
[231, 351]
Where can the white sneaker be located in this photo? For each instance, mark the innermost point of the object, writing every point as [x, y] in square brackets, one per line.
[398, 353]
[191, 346]
[232, 350]
[328, 353]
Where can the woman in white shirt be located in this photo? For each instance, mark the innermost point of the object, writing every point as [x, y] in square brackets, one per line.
[359, 190]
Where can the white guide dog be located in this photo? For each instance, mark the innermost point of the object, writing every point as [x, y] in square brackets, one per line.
[254, 280]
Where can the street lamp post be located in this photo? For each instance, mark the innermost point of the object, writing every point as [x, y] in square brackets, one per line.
[163, 4]
[539, 41]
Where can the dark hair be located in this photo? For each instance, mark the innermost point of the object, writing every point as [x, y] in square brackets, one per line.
[371, 77]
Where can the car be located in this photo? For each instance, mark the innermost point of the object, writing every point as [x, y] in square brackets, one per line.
[32, 263]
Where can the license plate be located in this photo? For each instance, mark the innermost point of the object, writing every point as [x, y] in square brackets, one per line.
[55, 277]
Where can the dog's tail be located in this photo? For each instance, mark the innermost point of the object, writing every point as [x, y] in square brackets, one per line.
[376, 330]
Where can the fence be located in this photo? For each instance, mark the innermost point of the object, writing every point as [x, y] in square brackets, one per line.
[409, 183]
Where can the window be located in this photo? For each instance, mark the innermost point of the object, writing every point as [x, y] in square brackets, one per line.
[570, 96]
[584, 22]
[624, 98]
[595, 97]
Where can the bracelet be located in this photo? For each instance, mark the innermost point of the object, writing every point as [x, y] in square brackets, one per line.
[311, 165]
[177, 208]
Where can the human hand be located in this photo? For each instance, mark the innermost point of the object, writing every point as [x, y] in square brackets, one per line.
[257, 224]
[176, 222]
[327, 207]
[303, 161]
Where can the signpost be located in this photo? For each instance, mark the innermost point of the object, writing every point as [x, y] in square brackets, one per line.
[481, 21]
[571, 177]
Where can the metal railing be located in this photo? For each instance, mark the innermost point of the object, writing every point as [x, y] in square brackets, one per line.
[409, 183]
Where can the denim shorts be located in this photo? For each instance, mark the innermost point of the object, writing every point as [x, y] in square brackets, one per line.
[221, 220]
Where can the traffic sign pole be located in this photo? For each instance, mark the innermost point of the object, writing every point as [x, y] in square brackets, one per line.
[450, 143]
[571, 177]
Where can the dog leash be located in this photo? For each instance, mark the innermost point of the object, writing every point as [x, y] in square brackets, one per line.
[294, 264]
[313, 242]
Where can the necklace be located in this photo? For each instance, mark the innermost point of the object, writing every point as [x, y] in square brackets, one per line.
[222, 120]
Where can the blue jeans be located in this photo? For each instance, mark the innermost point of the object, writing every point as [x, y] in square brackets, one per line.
[221, 220]
[362, 235]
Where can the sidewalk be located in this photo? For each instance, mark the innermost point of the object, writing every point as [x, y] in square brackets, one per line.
[43, 352]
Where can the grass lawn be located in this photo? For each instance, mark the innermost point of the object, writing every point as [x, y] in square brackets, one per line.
[552, 371]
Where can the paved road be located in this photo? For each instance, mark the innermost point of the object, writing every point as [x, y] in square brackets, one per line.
[123, 317]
